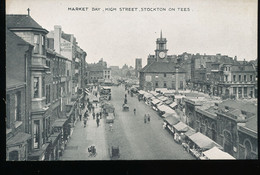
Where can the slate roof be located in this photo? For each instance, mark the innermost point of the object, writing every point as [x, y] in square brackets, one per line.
[22, 21]
[252, 123]
[95, 68]
[161, 67]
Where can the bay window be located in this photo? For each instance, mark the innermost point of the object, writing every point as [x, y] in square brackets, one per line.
[36, 87]
[36, 43]
[36, 134]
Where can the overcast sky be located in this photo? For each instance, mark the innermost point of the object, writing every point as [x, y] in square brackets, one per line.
[228, 27]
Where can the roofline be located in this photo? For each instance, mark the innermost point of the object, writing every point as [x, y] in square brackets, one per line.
[28, 29]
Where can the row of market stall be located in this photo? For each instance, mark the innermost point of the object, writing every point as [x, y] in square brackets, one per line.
[197, 144]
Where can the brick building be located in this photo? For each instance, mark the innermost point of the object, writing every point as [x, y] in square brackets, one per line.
[18, 99]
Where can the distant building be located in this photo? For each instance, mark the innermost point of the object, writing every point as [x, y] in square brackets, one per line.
[97, 72]
[160, 72]
[138, 66]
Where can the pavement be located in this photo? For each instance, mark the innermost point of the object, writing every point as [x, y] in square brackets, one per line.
[82, 138]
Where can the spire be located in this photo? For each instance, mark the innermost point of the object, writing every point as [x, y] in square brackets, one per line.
[161, 34]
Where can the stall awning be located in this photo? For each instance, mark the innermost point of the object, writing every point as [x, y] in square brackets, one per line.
[171, 120]
[168, 102]
[216, 154]
[147, 95]
[173, 104]
[19, 138]
[54, 137]
[59, 122]
[154, 93]
[189, 132]
[181, 127]
[162, 98]
[155, 101]
[141, 92]
[162, 107]
[203, 141]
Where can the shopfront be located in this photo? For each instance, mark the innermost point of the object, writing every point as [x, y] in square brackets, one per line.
[56, 146]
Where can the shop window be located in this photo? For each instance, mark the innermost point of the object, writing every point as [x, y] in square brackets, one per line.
[8, 111]
[245, 91]
[36, 87]
[156, 84]
[248, 149]
[14, 156]
[36, 134]
[36, 43]
[181, 84]
[234, 90]
[17, 106]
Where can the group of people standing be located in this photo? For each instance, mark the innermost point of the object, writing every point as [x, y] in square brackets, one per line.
[91, 108]
[147, 118]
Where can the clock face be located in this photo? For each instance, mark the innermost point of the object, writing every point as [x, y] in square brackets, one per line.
[161, 54]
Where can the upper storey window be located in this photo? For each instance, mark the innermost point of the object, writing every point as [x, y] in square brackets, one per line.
[36, 43]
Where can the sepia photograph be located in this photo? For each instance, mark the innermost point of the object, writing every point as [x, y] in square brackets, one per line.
[109, 80]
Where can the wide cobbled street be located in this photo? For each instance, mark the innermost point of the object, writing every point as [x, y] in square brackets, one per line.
[136, 140]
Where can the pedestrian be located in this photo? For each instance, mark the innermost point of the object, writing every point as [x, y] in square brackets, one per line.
[96, 104]
[148, 118]
[144, 118]
[110, 127]
[85, 121]
[93, 108]
[93, 114]
[80, 116]
[97, 122]
[134, 111]
[97, 114]
[100, 114]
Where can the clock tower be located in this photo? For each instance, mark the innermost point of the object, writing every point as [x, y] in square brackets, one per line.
[161, 51]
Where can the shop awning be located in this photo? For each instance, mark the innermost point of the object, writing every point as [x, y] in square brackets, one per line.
[181, 127]
[173, 104]
[171, 120]
[39, 154]
[54, 137]
[155, 101]
[19, 138]
[59, 122]
[216, 154]
[203, 141]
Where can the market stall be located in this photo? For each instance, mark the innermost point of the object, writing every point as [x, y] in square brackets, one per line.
[200, 143]
[169, 122]
[216, 154]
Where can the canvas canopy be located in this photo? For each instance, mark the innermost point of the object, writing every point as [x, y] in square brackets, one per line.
[203, 141]
[215, 154]
[181, 127]
[162, 98]
[189, 132]
[148, 95]
[171, 120]
[154, 93]
[141, 92]
[155, 101]
[173, 104]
